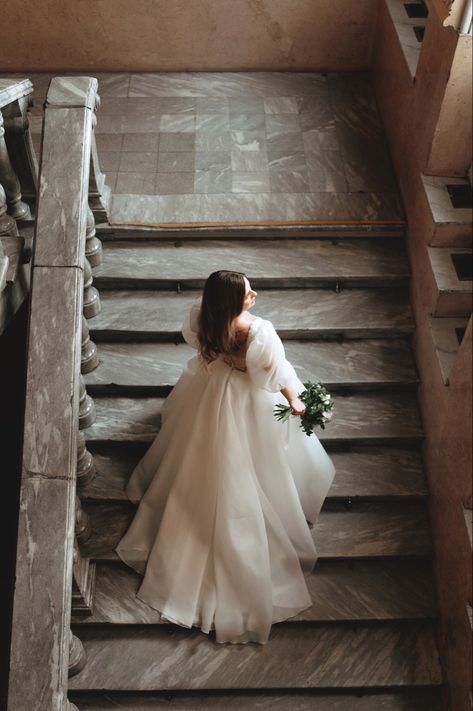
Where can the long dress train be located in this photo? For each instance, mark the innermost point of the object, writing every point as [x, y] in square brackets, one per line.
[225, 495]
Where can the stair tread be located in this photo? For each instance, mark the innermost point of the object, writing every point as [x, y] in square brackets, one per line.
[385, 654]
[308, 312]
[371, 417]
[267, 700]
[367, 530]
[369, 472]
[340, 590]
[360, 363]
[287, 262]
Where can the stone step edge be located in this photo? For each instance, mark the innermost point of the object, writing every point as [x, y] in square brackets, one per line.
[346, 334]
[385, 281]
[144, 232]
[351, 698]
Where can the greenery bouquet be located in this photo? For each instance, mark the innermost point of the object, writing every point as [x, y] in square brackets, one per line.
[318, 403]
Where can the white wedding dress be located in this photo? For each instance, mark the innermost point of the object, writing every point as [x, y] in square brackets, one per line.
[225, 495]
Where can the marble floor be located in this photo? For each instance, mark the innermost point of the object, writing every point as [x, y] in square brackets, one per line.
[242, 148]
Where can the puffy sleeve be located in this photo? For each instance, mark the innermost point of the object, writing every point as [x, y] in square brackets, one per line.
[190, 327]
[266, 361]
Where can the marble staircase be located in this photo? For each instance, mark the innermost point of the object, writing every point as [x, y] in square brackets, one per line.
[368, 642]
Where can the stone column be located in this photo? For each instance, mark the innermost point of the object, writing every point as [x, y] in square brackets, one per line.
[89, 357]
[85, 463]
[91, 295]
[86, 407]
[16, 207]
[77, 658]
[93, 246]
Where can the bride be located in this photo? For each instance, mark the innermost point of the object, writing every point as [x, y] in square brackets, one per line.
[226, 491]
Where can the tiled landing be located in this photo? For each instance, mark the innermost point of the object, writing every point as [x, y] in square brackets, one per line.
[188, 148]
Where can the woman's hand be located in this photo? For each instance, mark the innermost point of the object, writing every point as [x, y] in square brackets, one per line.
[298, 407]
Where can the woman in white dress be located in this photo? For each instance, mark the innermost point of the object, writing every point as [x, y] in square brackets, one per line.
[226, 491]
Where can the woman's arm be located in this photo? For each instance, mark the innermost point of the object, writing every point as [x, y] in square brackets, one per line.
[298, 407]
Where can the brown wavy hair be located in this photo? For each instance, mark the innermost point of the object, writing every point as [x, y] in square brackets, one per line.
[222, 302]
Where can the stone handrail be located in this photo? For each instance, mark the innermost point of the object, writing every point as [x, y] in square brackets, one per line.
[50, 572]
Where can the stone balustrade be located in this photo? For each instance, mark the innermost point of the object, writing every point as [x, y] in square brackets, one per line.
[51, 574]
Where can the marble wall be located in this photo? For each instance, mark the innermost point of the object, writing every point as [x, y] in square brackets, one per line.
[410, 112]
[202, 35]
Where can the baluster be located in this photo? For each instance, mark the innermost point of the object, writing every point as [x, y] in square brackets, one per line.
[89, 357]
[7, 223]
[86, 407]
[93, 246]
[83, 583]
[91, 295]
[4, 261]
[16, 207]
[85, 463]
[99, 193]
[77, 657]
[20, 145]
[82, 527]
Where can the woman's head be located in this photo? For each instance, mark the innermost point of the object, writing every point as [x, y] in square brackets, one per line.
[226, 294]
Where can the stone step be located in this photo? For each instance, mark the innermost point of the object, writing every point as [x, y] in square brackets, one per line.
[296, 656]
[153, 368]
[267, 263]
[365, 473]
[340, 590]
[366, 530]
[147, 233]
[374, 418]
[296, 314]
[295, 700]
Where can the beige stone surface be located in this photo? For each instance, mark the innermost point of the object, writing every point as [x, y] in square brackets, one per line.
[156, 35]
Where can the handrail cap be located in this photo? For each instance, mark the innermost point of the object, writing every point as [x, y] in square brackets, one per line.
[14, 89]
[72, 92]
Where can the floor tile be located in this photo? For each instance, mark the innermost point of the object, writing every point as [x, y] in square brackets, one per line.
[174, 183]
[288, 181]
[147, 142]
[254, 182]
[245, 104]
[212, 105]
[212, 159]
[281, 105]
[247, 121]
[109, 160]
[215, 180]
[177, 123]
[109, 142]
[280, 124]
[284, 145]
[176, 162]
[142, 162]
[249, 140]
[287, 161]
[176, 105]
[135, 183]
[320, 140]
[248, 160]
[211, 123]
[326, 172]
[176, 141]
[210, 142]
